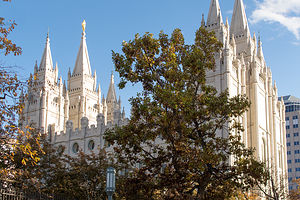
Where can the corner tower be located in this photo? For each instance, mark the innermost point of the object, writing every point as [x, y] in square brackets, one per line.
[113, 106]
[241, 70]
[215, 21]
[45, 103]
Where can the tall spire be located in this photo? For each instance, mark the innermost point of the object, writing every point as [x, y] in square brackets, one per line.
[239, 24]
[214, 15]
[46, 61]
[111, 94]
[82, 65]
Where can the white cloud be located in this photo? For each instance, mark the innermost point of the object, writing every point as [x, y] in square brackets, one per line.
[229, 12]
[296, 43]
[285, 12]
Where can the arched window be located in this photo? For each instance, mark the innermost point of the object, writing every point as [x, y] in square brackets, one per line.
[75, 148]
[91, 145]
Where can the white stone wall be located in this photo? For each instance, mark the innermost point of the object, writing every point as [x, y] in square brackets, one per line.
[84, 135]
[241, 69]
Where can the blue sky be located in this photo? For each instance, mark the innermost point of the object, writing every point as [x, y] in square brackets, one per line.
[111, 22]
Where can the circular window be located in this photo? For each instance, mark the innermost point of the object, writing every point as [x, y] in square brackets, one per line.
[75, 148]
[91, 145]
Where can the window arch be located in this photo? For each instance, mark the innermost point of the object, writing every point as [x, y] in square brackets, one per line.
[75, 148]
[91, 145]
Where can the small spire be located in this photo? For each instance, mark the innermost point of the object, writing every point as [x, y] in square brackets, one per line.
[233, 41]
[254, 56]
[111, 95]
[103, 99]
[260, 53]
[202, 21]
[67, 95]
[60, 81]
[233, 44]
[226, 44]
[95, 81]
[64, 88]
[36, 67]
[99, 94]
[99, 89]
[123, 113]
[255, 44]
[69, 72]
[254, 36]
[56, 72]
[112, 80]
[227, 23]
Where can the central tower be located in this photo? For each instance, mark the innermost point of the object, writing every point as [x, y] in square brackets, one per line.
[84, 99]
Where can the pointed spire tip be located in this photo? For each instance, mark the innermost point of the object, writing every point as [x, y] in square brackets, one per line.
[239, 22]
[214, 14]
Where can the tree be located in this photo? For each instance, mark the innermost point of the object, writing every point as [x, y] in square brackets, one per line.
[295, 194]
[56, 174]
[6, 44]
[173, 146]
[275, 188]
[11, 134]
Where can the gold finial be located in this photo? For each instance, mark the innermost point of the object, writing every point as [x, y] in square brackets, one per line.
[83, 26]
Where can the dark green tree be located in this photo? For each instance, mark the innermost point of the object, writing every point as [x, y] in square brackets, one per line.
[56, 174]
[172, 146]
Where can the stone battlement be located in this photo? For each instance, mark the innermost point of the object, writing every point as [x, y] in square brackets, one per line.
[87, 138]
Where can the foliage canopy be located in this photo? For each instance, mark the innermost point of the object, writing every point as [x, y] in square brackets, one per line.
[12, 136]
[182, 141]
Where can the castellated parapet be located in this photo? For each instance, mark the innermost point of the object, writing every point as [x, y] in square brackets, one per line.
[86, 139]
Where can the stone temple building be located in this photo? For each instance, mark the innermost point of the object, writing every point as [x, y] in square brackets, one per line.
[75, 114]
[242, 69]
